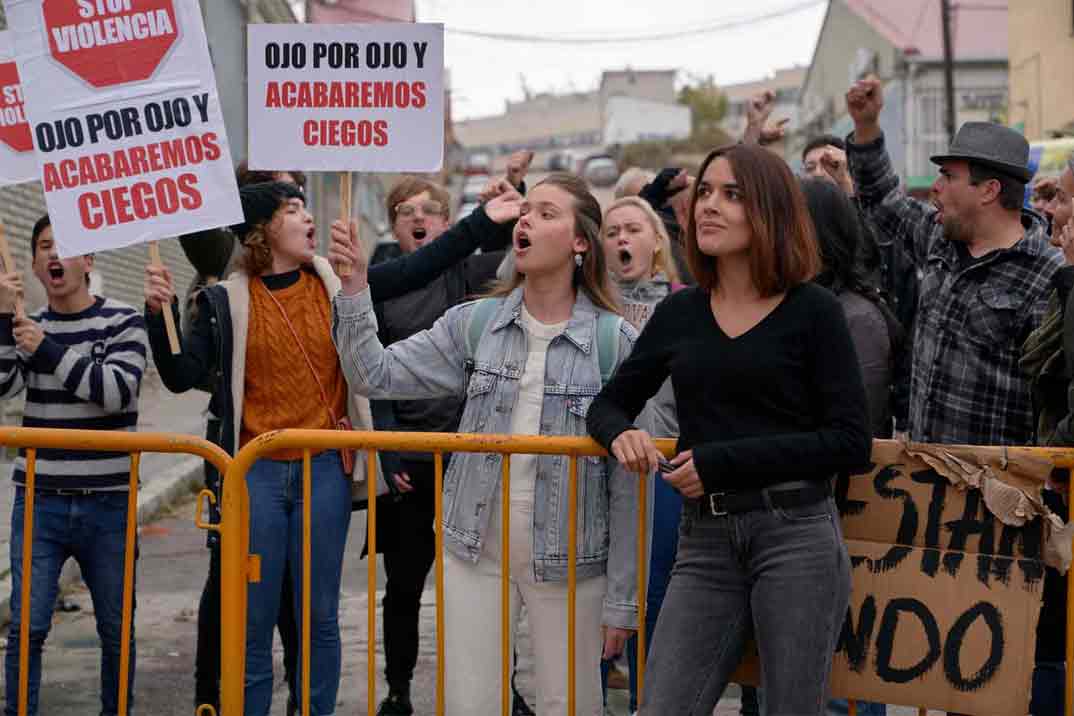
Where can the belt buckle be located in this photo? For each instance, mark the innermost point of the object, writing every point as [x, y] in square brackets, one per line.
[714, 504]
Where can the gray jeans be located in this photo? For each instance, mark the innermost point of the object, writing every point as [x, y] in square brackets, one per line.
[781, 577]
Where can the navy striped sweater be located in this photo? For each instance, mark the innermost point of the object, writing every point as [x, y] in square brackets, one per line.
[85, 375]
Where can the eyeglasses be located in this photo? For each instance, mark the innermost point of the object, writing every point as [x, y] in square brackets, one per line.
[428, 208]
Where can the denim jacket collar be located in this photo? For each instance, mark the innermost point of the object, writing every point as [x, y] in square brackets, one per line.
[580, 327]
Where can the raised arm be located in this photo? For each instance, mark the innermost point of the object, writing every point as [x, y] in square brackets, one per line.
[429, 364]
[908, 221]
[488, 227]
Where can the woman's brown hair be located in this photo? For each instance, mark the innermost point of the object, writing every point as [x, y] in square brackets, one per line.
[593, 276]
[783, 249]
[256, 256]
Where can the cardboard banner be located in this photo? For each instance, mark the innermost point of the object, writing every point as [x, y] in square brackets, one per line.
[17, 161]
[346, 97]
[126, 121]
[945, 595]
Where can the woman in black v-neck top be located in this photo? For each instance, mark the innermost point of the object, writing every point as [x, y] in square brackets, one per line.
[771, 406]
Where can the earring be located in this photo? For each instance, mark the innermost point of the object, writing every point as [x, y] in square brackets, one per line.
[578, 260]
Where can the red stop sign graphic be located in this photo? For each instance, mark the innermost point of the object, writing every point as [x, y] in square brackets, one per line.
[14, 129]
[120, 41]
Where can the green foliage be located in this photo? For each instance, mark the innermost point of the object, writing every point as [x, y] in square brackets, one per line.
[708, 105]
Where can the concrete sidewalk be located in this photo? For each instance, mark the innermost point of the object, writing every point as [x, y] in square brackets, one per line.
[164, 477]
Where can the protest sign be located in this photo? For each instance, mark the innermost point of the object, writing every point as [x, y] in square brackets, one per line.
[17, 161]
[126, 121]
[945, 594]
[346, 97]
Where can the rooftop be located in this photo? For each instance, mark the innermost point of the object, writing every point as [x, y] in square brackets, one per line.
[979, 30]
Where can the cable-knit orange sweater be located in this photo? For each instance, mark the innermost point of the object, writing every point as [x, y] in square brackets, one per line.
[280, 390]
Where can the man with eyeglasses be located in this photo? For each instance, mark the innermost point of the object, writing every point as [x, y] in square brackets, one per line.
[419, 214]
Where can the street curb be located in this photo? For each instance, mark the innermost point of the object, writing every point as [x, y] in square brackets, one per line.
[153, 498]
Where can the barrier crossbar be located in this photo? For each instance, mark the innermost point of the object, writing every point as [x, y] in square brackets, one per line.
[33, 439]
[239, 567]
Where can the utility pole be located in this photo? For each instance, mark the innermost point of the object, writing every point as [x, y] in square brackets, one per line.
[948, 70]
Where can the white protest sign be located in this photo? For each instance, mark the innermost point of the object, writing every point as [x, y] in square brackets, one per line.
[126, 121]
[346, 97]
[17, 161]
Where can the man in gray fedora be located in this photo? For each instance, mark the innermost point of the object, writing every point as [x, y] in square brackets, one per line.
[987, 268]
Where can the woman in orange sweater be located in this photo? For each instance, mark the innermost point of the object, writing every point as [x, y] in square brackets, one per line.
[263, 338]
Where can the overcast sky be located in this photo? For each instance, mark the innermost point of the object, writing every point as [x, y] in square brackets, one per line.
[485, 72]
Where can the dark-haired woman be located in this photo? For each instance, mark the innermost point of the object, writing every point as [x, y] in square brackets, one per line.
[771, 406]
[874, 329]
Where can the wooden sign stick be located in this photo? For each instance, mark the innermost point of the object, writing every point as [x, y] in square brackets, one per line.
[345, 213]
[169, 319]
[9, 267]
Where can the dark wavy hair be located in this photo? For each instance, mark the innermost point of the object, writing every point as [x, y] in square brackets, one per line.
[842, 240]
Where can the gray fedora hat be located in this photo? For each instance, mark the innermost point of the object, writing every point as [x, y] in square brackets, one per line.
[993, 145]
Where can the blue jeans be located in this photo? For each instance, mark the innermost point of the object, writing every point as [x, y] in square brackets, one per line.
[667, 510]
[1049, 691]
[275, 489]
[93, 530]
[731, 581]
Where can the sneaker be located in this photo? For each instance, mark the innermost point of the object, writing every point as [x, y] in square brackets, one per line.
[397, 704]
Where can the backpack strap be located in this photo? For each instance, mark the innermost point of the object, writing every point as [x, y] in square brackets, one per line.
[607, 344]
[483, 311]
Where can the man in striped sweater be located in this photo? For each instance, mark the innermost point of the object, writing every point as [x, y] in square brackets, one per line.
[80, 361]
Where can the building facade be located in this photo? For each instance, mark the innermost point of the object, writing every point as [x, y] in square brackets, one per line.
[902, 44]
[1041, 38]
[576, 122]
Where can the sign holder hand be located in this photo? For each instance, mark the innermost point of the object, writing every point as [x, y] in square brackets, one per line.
[169, 319]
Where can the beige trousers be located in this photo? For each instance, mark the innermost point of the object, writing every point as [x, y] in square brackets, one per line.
[472, 599]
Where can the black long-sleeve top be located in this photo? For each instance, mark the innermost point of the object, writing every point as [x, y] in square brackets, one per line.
[783, 401]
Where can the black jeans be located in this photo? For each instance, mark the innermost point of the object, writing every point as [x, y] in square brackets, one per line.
[207, 656]
[731, 581]
[407, 541]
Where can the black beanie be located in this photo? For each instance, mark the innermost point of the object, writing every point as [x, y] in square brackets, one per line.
[261, 201]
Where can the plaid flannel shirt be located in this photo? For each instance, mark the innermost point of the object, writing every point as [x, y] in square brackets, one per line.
[966, 386]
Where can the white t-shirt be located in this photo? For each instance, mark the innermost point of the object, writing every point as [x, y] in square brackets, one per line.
[526, 417]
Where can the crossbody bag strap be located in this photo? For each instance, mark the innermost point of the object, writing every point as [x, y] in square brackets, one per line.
[298, 342]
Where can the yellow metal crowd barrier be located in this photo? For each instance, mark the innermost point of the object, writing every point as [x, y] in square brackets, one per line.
[239, 567]
[34, 439]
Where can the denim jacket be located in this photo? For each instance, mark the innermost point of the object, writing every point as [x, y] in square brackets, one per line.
[435, 363]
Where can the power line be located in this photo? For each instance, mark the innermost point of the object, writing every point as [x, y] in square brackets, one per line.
[652, 37]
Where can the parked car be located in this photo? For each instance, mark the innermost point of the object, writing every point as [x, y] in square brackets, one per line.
[600, 171]
[464, 210]
[471, 188]
[478, 163]
[561, 162]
